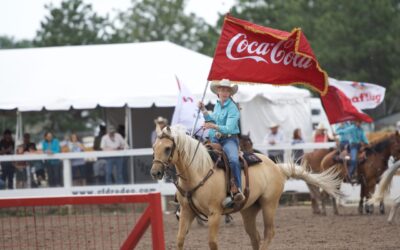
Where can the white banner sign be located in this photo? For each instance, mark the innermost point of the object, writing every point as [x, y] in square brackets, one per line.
[186, 109]
[362, 95]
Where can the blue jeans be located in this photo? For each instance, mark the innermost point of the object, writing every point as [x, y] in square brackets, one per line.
[354, 148]
[117, 162]
[344, 145]
[231, 149]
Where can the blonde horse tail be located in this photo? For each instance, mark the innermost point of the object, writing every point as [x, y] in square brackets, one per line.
[384, 183]
[327, 180]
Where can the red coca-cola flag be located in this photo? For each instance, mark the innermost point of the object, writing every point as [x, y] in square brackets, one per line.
[338, 107]
[250, 53]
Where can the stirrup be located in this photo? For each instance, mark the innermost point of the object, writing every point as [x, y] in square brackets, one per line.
[228, 202]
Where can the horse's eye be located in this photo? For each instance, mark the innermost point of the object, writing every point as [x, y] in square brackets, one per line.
[167, 150]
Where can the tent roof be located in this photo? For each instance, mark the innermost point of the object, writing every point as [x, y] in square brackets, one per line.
[112, 75]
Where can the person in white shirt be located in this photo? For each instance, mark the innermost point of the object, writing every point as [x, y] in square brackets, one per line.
[275, 137]
[110, 142]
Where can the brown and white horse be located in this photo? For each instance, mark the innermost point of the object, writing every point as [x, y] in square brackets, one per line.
[370, 170]
[193, 164]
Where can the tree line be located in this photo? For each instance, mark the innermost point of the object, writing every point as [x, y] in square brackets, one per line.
[353, 40]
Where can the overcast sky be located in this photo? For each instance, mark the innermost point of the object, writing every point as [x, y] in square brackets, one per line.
[21, 18]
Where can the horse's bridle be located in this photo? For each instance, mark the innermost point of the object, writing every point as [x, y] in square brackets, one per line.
[166, 164]
[188, 194]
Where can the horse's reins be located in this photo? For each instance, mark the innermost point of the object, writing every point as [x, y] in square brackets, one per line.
[197, 147]
[187, 194]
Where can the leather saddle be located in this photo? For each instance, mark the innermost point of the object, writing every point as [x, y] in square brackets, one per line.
[218, 156]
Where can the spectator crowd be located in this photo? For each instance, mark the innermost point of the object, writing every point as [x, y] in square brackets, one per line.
[49, 173]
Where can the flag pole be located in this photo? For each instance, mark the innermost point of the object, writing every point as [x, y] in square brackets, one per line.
[198, 111]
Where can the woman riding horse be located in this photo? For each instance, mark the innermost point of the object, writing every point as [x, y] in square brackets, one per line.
[202, 187]
[357, 139]
[224, 129]
[370, 169]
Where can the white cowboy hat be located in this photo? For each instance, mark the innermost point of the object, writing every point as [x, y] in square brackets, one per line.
[274, 125]
[161, 119]
[321, 126]
[224, 83]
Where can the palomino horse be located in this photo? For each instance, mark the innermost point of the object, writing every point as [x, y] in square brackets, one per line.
[371, 169]
[312, 160]
[207, 186]
[383, 188]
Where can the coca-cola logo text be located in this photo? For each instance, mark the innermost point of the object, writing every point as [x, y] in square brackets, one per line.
[239, 48]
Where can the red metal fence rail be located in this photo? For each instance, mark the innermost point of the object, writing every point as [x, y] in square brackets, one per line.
[40, 220]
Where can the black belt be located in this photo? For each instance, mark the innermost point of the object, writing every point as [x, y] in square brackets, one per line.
[218, 135]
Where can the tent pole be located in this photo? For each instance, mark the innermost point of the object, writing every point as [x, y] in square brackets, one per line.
[18, 131]
[129, 135]
[198, 111]
[128, 124]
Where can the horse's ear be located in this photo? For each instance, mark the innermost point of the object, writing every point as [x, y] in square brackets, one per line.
[158, 130]
[168, 130]
[248, 134]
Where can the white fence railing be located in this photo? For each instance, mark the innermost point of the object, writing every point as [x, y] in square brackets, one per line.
[164, 187]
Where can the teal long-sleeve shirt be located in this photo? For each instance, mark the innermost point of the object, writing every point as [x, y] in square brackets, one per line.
[226, 117]
[353, 133]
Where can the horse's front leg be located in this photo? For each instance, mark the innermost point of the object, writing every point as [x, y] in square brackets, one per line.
[213, 225]
[186, 219]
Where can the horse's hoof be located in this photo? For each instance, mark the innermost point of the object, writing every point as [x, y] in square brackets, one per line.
[369, 209]
[382, 209]
[228, 219]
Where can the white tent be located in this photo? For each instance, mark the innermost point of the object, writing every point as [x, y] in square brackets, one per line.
[137, 75]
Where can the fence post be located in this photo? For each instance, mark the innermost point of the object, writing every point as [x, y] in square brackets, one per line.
[157, 225]
[67, 177]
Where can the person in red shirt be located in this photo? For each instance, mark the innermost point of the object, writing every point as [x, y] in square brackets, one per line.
[320, 134]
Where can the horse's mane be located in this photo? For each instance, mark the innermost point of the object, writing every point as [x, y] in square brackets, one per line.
[186, 147]
[379, 144]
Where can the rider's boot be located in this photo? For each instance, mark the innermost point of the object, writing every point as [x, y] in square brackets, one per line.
[238, 197]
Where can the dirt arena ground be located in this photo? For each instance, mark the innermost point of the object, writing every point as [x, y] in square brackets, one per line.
[297, 228]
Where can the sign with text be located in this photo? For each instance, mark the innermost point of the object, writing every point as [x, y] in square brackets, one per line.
[251, 53]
